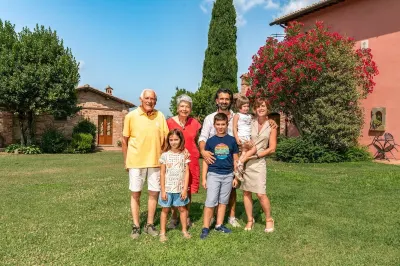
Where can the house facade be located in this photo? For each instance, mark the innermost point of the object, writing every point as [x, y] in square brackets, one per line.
[375, 25]
[106, 111]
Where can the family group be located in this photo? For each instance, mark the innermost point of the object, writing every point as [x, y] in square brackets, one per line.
[165, 152]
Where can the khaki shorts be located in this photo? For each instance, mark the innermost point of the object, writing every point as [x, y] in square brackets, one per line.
[137, 177]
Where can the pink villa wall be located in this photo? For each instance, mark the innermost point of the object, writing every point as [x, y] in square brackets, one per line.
[379, 23]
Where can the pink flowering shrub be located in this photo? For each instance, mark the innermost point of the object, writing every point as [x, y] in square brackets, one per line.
[318, 79]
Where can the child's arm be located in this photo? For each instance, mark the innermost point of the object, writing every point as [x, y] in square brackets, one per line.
[162, 182]
[235, 129]
[204, 174]
[185, 186]
[235, 167]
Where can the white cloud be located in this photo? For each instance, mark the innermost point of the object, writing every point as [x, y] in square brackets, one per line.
[294, 5]
[243, 6]
[81, 64]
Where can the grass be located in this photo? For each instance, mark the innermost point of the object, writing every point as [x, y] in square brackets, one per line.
[74, 209]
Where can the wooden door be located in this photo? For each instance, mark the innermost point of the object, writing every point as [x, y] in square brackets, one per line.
[105, 129]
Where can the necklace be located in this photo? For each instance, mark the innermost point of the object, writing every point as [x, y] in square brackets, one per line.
[180, 123]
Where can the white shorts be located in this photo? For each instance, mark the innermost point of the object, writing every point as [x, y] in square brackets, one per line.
[137, 177]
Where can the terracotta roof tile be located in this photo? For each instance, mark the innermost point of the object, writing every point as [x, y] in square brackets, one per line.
[304, 11]
[87, 87]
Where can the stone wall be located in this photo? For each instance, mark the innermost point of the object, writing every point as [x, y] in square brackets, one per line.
[93, 105]
[6, 125]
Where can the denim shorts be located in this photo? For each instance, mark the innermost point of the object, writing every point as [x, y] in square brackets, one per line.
[173, 199]
[219, 189]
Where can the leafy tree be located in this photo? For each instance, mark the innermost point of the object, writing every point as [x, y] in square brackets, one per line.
[37, 75]
[318, 79]
[220, 63]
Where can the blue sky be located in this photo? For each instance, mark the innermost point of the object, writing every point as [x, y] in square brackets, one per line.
[137, 44]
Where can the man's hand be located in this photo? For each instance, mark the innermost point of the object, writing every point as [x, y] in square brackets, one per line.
[208, 157]
[272, 123]
[235, 182]
[184, 195]
[164, 195]
[204, 183]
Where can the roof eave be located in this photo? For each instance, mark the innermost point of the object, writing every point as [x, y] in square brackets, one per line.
[94, 90]
[305, 11]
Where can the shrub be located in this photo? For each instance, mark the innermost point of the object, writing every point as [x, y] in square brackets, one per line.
[18, 148]
[82, 143]
[318, 79]
[53, 141]
[85, 126]
[358, 154]
[304, 150]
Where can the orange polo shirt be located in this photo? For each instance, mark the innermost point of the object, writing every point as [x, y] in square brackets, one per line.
[147, 135]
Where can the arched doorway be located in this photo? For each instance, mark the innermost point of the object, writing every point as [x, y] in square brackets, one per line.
[277, 118]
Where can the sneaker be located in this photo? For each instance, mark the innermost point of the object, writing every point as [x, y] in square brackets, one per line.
[204, 233]
[172, 224]
[234, 222]
[222, 229]
[151, 230]
[135, 232]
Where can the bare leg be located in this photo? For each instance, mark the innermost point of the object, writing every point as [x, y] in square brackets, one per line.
[248, 206]
[221, 214]
[208, 212]
[152, 205]
[163, 220]
[266, 206]
[183, 216]
[135, 207]
[174, 214]
[232, 204]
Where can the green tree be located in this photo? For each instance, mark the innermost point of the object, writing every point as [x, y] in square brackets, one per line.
[220, 64]
[37, 75]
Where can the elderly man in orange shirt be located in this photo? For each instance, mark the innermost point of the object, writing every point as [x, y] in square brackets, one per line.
[145, 131]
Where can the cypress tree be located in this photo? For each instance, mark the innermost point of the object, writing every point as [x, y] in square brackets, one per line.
[220, 64]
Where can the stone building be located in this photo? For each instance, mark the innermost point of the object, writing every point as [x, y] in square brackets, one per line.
[106, 111]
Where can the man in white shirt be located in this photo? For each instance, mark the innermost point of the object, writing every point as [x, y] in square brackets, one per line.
[223, 99]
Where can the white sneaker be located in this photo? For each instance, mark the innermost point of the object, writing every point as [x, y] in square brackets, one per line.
[234, 222]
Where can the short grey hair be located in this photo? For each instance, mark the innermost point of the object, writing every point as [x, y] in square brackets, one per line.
[150, 90]
[184, 98]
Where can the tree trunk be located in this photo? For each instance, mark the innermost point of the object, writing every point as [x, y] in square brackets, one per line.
[21, 120]
[31, 132]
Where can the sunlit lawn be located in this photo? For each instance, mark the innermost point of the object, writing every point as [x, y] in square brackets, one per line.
[74, 209]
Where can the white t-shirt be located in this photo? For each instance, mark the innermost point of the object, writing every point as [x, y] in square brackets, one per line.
[244, 126]
[175, 166]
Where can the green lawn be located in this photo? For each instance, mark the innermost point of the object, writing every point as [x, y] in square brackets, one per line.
[74, 209]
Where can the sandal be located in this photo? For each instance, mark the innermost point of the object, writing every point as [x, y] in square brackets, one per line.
[270, 230]
[163, 238]
[252, 225]
[186, 235]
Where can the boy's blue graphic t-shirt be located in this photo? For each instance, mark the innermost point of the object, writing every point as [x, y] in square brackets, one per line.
[223, 149]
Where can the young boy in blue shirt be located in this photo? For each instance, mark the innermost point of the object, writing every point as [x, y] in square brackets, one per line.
[218, 178]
